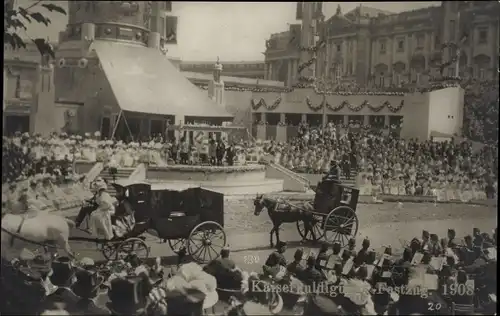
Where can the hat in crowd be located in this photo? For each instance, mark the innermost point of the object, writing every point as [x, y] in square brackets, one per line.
[425, 234]
[38, 268]
[88, 282]
[63, 272]
[281, 244]
[127, 296]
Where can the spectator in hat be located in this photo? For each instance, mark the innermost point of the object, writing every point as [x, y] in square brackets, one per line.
[296, 268]
[63, 276]
[126, 296]
[87, 287]
[225, 271]
[362, 253]
[452, 242]
[275, 260]
[311, 275]
[425, 240]
[322, 256]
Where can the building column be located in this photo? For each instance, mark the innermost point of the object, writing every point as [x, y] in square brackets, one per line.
[282, 118]
[266, 71]
[270, 75]
[366, 120]
[303, 118]
[386, 120]
[346, 119]
[289, 73]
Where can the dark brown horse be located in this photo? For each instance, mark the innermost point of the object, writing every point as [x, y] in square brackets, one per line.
[280, 213]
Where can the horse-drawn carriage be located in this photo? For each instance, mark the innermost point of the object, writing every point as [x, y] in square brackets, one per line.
[190, 219]
[331, 216]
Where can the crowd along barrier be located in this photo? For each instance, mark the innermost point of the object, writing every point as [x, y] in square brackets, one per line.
[397, 188]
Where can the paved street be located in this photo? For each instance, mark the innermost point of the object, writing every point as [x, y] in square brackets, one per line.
[389, 223]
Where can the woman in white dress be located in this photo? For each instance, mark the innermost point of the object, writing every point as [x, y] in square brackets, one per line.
[128, 159]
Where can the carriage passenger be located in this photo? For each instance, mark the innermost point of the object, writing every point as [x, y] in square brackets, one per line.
[123, 218]
[100, 219]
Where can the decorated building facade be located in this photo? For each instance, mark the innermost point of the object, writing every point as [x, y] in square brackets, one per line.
[243, 69]
[379, 48]
[276, 115]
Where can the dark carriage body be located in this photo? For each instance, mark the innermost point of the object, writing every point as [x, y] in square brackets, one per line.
[331, 194]
[336, 202]
[174, 210]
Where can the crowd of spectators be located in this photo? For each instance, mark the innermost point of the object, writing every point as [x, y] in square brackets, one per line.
[390, 164]
[47, 178]
[481, 110]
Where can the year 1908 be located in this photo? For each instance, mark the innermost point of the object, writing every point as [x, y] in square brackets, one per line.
[458, 289]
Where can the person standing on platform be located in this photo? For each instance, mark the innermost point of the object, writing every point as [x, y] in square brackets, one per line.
[230, 153]
[220, 151]
[184, 151]
[175, 150]
[212, 152]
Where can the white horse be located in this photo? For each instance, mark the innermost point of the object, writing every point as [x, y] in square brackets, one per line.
[40, 228]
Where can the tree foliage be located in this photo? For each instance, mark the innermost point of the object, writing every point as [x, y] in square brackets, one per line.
[16, 20]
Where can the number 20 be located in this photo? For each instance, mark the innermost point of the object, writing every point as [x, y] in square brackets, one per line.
[433, 306]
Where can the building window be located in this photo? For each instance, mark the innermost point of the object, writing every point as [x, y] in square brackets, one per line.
[383, 46]
[483, 35]
[437, 41]
[420, 41]
[339, 48]
[401, 45]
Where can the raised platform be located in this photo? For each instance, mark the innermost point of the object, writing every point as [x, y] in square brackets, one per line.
[232, 181]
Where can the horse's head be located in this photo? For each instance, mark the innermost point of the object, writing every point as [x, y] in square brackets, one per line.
[258, 203]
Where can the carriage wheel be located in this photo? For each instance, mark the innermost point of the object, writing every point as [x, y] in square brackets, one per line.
[132, 245]
[177, 244]
[341, 224]
[315, 226]
[206, 241]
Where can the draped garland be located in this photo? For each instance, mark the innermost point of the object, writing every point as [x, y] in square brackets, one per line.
[314, 108]
[357, 108]
[270, 107]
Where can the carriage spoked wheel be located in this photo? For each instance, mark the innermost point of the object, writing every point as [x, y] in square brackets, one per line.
[177, 244]
[315, 228]
[132, 245]
[341, 224]
[206, 241]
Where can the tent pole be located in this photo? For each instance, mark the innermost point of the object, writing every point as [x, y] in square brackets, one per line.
[128, 127]
[116, 123]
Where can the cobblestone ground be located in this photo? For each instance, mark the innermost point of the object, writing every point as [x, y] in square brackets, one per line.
[239, 215]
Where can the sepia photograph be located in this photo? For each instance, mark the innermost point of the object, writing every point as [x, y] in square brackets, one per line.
[250, 158]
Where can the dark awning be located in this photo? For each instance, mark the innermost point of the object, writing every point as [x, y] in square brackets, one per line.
[144, 80]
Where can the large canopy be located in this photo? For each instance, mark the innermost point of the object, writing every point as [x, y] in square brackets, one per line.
[144, 80]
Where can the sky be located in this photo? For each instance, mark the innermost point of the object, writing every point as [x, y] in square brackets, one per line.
[232, 31]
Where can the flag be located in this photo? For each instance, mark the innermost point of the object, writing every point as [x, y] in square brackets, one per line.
[298, 14]
[294, 34]
[318, 10]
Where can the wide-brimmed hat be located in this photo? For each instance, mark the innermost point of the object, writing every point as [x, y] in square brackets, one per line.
[62, 272]
[126, 296]
[87, 283]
